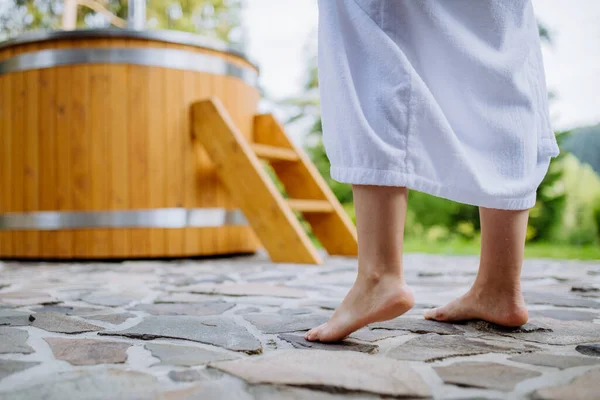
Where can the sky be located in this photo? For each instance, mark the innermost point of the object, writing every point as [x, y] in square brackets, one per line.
[280, 31]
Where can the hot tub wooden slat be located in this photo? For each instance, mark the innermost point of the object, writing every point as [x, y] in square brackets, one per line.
[175, 160]
[98, 136]
[18, 149]
[47, 138]
[32, 141]
[6, 160]
[117, 166]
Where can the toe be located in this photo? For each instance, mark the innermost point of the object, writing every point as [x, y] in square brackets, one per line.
[313, 334]
[436, 314]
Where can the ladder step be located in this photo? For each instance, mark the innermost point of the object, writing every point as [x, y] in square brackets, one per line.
[310, 206]
[267, 152]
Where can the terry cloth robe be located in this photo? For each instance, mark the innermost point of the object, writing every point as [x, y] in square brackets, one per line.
[446, 97]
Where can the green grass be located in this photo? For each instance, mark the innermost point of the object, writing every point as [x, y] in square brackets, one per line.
[533, 250]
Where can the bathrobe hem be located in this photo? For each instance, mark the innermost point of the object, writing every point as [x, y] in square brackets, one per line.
[378, 177]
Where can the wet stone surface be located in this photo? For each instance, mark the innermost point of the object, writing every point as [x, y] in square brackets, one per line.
[233, 328]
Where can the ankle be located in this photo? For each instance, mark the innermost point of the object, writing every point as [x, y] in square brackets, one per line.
[509, 290]
[373, 278]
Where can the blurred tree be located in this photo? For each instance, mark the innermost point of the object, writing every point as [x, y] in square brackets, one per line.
[220, 19]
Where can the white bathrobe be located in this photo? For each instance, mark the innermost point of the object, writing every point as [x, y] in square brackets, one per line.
[447, 97]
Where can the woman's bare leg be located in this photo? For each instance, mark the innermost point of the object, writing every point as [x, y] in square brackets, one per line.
[379, 292]
[496, 294]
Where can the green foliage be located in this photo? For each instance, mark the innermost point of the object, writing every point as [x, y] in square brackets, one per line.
[596, 214]
[219, 19]
[546, 217]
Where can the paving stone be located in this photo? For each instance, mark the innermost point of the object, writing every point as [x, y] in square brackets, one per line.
[268, 392]
[299, 342]
[195, 309]
[55, 322]
[88, 351]
[432, 347]
[585, 289]
[369, 335]
[554, 360]
[589, 349]
[114, 319]
[109, 299]
[14, 341]
[548, 331]
[485, 375]
[14, 317]
[205, 279]
[245, 289]
[565, 315]
[585, 387]
[294, 311]
[183, 298]
[186, 356]
[559, 300]
[228, 388]
[67, 310]
[188, 375]
[27, 298]
[222, 332]
[320, 368]
[248, 310]
[418, 325]
[94, 384]
[277, 323]
[9, 367]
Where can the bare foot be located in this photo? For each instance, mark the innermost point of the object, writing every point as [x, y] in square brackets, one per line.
[369, 300]
[502, 307]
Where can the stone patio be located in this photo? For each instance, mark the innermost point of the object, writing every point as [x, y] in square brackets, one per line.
[232, 329]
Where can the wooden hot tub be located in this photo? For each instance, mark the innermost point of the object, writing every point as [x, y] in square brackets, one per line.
[96, 158]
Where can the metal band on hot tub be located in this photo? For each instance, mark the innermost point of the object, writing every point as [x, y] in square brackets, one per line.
[159, 35]
[149, 218]
[166, 58]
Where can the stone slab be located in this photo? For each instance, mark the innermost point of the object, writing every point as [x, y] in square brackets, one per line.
[186, 356]
[115, 319]
[418, 325]
[67, 310]
[585, 387]
[277, 323]
[109, 299]
[190, 309]
[299, 342]
[244, 289]
[14, 341]
[9, 367]
[368, 335]
[554, 360]
[560, 300]
[14, 317]
[59, 323]
[217, 331]
[484, 375]
[320, 368]
[589, 349]
[92, 384]
[433, 347]
[27, 298]
[88, 351]
[565, 315]
[548, 331]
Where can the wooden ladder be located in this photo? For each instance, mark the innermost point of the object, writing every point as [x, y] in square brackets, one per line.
[271, 216]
